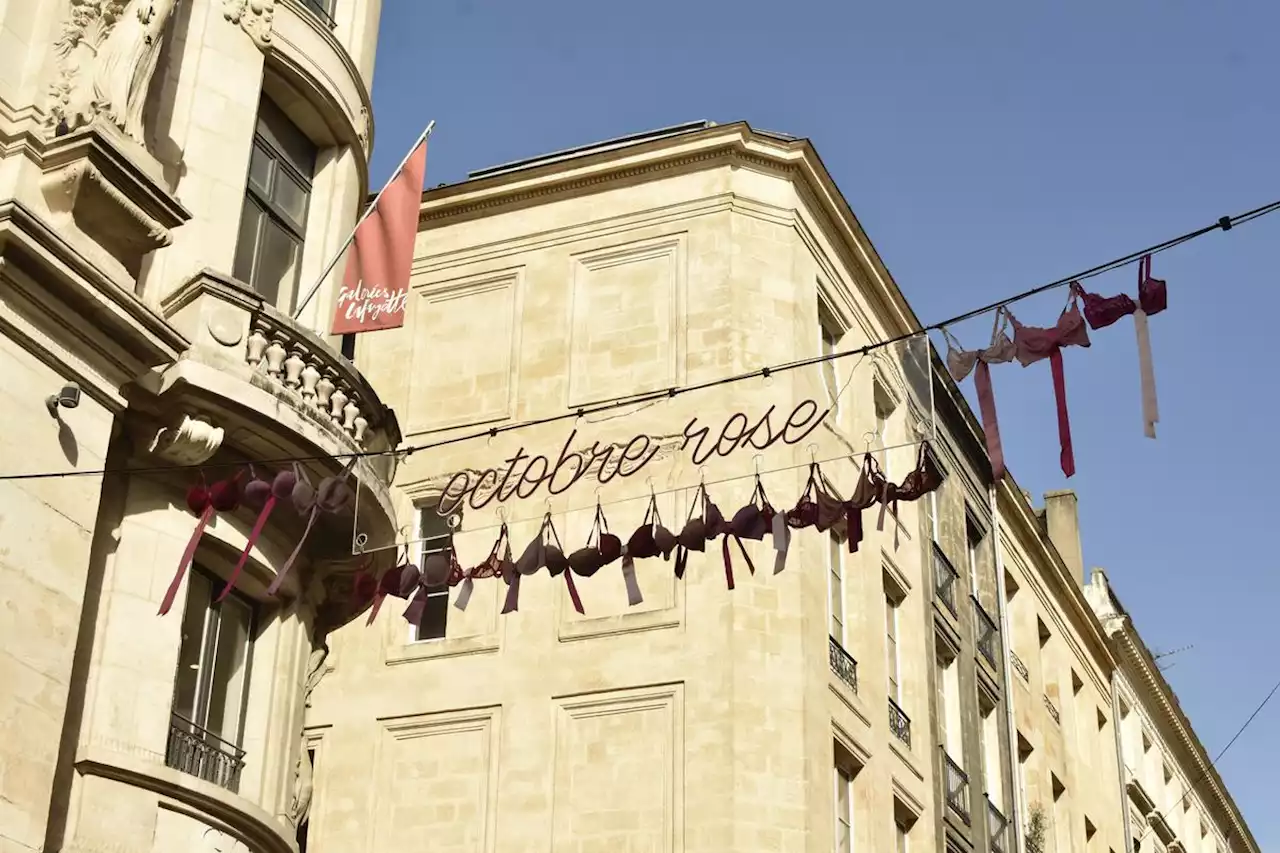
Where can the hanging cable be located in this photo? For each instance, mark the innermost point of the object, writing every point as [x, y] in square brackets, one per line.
[1225, 223]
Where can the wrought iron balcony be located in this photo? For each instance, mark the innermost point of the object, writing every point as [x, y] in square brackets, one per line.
[997, 825]
[899, 723]
[843, 664]
[957, 788]
[1052, 709]
[944, 579]
[203, 754]
[1020, 667]
[985, 632]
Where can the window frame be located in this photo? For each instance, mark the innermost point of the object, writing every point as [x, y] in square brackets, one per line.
[842, 781]
[206, 666]
[421, 550]
[834, 560]
[893, 659]
[282, 165]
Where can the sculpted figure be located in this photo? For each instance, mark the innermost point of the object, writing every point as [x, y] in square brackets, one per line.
[127, 61]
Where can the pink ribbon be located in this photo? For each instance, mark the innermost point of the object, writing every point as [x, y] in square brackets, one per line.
[990, 425]
[1066, 455]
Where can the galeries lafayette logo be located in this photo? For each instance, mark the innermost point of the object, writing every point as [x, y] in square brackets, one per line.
[521, 475]
[366, 308]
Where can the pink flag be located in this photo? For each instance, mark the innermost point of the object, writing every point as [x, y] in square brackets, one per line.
[375, 288]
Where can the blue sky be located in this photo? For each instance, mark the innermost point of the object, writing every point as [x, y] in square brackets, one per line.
[986, 147]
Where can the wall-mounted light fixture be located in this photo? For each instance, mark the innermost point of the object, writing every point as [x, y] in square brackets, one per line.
[67, 398]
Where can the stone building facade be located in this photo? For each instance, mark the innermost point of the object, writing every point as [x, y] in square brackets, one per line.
[171, 173]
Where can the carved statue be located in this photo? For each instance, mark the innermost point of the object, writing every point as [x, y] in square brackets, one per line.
[300, 801]
[127, 61]
[107, 55]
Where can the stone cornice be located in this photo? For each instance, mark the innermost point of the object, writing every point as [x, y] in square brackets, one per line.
[733, 145]
[1157, 696]
[33, 246]
[1021, 523]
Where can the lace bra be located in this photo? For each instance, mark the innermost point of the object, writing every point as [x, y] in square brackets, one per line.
[960, 362]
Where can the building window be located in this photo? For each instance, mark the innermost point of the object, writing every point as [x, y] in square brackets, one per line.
[322, 9]
[830, 333]
[903, 840]
[211, 688]
[835, 589]
[844, 810]
[973, 551]
[273, 220]
[434, 535]
[891, 646]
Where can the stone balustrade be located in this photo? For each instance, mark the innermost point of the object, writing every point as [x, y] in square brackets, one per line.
[278, 348]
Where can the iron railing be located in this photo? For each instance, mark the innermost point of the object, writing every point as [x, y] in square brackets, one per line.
[957, 788]
[1052, 709]
[985, 631]
[944, 579]
[200, 753]
[997, 824]
[899, 723]
[320, 8]
[843, 664]
[1020, 666]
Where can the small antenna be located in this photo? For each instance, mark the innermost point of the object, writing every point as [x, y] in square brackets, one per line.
[1156, 656]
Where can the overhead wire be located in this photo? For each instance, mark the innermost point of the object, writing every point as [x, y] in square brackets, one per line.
[1217, 758]
[1225, 223]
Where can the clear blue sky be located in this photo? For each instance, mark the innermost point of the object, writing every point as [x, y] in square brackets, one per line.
[986, 147]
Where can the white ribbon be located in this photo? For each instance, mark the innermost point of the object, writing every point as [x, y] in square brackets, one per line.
[1147, 371]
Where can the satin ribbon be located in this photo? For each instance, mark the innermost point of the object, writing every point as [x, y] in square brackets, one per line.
[728, 562]
[781, 541]
[1067, 455]
[187, 556]
[573, 593]
[1147, 372]
[464, 594]
[629, 578]
[990, 425]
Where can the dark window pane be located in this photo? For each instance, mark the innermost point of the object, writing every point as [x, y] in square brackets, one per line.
[247, 242]
[260, 170]
[277, 269]
[281, 133]
[185, 691]
[435, 615]
[230, 668]
[290, 198]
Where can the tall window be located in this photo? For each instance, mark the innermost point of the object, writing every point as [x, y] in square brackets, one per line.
[830, 333]
[211, 688]
[949, 718]
[884, 409]
[989, 731]
[891, 646]
[973, 551]
[835, 588]
[323, 9]
[902, 833]
[844, 810]
[274, 218]
[434, 535]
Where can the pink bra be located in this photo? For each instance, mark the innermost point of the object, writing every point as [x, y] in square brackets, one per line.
[1033, 344]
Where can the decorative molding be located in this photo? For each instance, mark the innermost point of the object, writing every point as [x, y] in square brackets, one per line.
[255, 17]
[194, 441]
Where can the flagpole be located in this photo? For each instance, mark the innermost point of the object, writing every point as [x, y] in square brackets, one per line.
[373, 205]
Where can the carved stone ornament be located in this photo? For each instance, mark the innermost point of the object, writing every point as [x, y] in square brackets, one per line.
[106, 55]
[192, 442]
[253, 16]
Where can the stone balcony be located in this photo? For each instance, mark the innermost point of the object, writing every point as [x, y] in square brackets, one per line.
[256, 382]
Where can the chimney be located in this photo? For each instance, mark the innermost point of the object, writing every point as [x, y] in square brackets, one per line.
[1062, 518]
